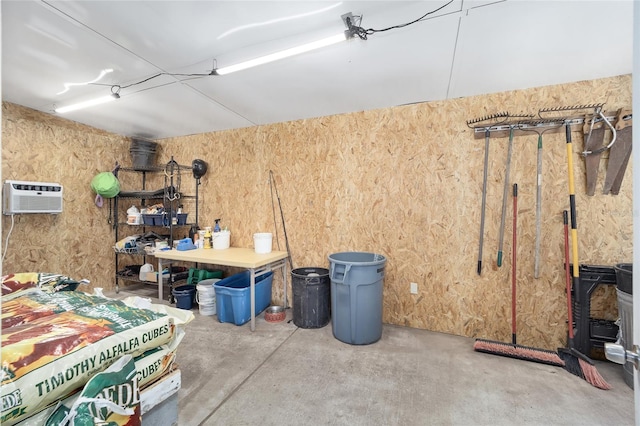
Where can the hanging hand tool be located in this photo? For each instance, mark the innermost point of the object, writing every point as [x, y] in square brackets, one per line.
[540, 127]
[484, 197]
[505, 192]
[489, 121]
[619, 154]
[593, 138]
[572, 195]
[598, 112]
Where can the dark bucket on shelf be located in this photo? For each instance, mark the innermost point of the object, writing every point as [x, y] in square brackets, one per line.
[143, 154]
[184, 296]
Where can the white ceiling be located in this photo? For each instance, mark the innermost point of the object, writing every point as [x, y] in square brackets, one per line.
[469, 47]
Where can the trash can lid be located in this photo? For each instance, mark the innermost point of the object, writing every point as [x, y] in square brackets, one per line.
[359, 258]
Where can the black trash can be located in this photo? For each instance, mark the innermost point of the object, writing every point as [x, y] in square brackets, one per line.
[311, 297]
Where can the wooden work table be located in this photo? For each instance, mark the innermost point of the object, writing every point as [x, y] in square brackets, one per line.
[247, 258]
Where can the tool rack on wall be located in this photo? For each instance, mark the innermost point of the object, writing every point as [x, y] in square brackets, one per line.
[589, 333]
[521, 126]
[590, 120]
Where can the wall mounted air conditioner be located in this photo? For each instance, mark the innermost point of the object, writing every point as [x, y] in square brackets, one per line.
[31, 197]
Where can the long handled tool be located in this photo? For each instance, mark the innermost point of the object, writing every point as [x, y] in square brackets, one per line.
[588, 369]
[485, 122]
[540, 127]
[514, 350]
[505, 193]
[484, 197]
[572, 196]
[575, 362]
[505, 190]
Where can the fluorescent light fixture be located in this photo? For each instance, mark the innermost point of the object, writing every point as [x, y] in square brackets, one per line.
[87, 104]
[282, 54]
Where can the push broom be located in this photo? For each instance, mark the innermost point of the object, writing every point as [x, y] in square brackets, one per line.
[513, 350]
[576, 362]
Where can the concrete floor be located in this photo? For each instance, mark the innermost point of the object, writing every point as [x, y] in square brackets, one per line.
[284, 375]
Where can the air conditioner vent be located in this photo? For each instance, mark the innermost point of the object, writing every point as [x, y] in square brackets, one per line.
[31, 197]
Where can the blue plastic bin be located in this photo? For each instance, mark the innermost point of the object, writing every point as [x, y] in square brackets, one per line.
[233, 297]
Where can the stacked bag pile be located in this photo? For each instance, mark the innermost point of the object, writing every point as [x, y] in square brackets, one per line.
[69, 357]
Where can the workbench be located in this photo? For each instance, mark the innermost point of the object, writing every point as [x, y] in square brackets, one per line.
[247, 258]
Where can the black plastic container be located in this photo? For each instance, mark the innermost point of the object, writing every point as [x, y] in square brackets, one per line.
[591, 333]
[624, 277]
[311, 297]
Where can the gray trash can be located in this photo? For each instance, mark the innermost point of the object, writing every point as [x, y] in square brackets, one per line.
[356, 296]
[624, 284]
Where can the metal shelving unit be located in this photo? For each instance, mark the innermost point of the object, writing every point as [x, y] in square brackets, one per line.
[171, 196]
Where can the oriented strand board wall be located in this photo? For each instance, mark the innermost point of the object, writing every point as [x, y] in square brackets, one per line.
[404, 182]
[77, 242]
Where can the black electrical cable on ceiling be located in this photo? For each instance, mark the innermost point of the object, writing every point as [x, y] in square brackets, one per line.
[118, 87]
[362, 33]
[354, 30]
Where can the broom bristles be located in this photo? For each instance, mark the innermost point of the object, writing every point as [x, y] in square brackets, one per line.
[518, 352]
[592, 376]
[576, 365]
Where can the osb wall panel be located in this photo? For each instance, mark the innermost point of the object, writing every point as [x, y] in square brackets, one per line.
[78, 242]
[406, 182]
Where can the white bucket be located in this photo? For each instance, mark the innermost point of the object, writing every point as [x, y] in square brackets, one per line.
[206, 296]
[262, 242]
[221, 239]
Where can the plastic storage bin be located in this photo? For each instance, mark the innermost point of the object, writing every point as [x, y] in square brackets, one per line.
[153, 219]
[179, 218]
[356, 296]
[233, 297]
[311, 297]
[197, 275]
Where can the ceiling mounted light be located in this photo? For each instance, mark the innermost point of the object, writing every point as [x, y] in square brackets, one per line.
[89, 103]
[328, 41]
